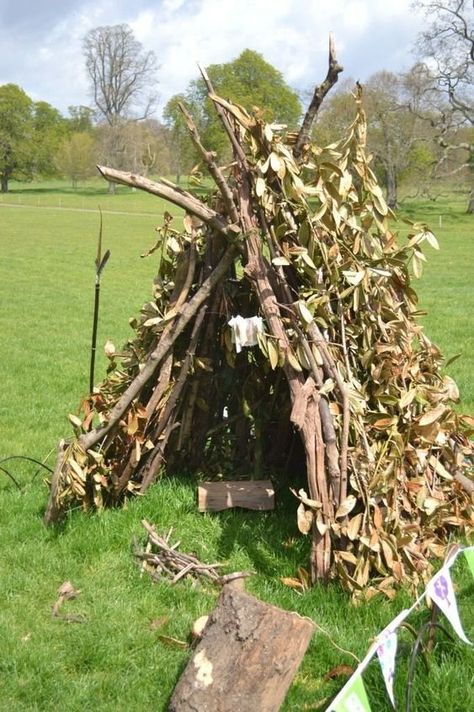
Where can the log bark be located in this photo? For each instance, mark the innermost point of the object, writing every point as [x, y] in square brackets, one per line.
[247, 658]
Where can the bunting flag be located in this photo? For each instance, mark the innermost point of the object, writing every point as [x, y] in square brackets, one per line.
[354, 698]
[440, 590]
[387, 643]
[386, 652]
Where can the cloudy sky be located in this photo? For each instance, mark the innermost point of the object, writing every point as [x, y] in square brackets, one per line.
[41, 39]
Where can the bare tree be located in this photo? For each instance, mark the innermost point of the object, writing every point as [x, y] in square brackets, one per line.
[122, 77]
[447, 44]
[446, 47]
[122, 74]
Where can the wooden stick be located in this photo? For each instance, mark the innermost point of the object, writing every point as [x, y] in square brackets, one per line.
[178, 197]
[188, 311]
[176, 391]
[320, 92]
[238, 150]
[214, 169]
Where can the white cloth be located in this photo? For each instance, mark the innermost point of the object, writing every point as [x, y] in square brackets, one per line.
[245, 331]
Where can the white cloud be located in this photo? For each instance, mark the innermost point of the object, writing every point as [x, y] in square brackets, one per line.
[291, 34]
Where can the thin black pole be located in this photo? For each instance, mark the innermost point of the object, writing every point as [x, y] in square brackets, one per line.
[100, 263]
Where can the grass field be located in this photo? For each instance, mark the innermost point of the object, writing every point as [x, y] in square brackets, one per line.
[115, 659]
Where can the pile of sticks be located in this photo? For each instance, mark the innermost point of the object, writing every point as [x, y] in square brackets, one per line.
[162, 560]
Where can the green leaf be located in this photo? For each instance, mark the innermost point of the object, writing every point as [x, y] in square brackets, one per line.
[272, 354]
[304, 312]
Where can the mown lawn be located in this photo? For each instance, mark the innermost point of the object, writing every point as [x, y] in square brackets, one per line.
[115, 660]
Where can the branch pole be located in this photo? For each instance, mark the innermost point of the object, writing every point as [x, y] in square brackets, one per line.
[176, 196]
[320, 92]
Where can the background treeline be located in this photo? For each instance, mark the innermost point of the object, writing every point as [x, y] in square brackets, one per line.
[420, 122]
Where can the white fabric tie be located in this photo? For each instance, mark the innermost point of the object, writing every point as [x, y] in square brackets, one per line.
[245, 331]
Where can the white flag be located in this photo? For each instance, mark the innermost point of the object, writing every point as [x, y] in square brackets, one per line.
[440, 590]
[386, 652]
[387, 649]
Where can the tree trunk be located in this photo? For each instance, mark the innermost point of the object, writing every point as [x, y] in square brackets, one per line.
[112, 188]
[470, 207]
[4, 184]
[392, 188]
[247, 658]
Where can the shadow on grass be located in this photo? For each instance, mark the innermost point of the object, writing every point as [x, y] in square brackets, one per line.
[270, 539]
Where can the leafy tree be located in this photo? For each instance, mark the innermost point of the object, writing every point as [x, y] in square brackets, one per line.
[16, 134]
[248, 80]
[49, 129]
[447, 43]
[183, 155]
[75, 157]
[393, 131]
[80, 119]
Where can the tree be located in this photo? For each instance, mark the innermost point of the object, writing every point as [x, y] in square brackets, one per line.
[184, 154]
[80, 118]
[16, 134]
[121, 73]
[248, 80]
[49, 129]
[76, 157]
[446, 48]
[122, 78]
[394, 132]
[400, 143]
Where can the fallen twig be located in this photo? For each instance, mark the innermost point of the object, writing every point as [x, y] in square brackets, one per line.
[163, 561]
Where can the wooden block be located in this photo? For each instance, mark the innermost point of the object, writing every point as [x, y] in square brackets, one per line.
[253, 494]
[247, 658]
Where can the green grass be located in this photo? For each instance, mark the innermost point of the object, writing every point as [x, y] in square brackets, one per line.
[114, 661]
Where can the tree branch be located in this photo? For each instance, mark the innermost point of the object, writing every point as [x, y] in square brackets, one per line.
[176, 196]
[319, 93]
[91, 439]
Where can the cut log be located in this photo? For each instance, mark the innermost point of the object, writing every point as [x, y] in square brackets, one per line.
[247, 658]
[216, 496]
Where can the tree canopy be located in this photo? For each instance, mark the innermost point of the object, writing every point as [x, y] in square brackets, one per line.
[248, 80]
[16, 134]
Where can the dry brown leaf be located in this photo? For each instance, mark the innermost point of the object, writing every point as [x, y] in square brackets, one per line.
[292, 583]
[432, 415]
[304, 519]
[346, 507]
[339, 671]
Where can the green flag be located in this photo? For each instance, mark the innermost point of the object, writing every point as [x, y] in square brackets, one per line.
[354, 698]
[469, 554]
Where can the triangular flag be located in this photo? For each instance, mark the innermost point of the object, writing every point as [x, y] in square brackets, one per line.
[440, 590]
[469, 554]
[353, 698]
[386, 652]
[387, 649]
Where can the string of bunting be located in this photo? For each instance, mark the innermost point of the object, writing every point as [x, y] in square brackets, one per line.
[440, 589]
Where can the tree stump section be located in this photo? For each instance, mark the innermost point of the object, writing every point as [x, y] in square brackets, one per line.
[247, 658]
[258, 495]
